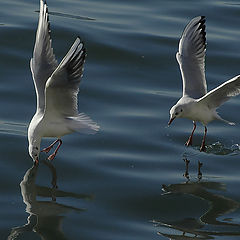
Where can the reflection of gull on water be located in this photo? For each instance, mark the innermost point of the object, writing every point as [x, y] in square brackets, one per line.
[45, 217]
[208, 224]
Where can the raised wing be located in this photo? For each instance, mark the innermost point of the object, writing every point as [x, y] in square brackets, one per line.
[191, 58]
[222, 93]
[63, 86]
[43, 62]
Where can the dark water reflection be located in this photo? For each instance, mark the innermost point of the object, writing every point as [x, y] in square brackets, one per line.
[212, 222]
[45, 216]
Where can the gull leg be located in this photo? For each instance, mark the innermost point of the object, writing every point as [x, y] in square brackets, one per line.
[52, 156]
[189, 141]
[47, 149]
[203, 147]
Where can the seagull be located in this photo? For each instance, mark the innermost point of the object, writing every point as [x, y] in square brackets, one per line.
[196, 103]
[57, 88]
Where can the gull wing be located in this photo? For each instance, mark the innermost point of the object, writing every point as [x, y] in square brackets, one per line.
[63, 86]
[191, 58]
[222, 93]
[43, 62]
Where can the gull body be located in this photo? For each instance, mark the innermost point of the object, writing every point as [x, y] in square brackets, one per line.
[190, 108]
[196, 103]
[57, 87]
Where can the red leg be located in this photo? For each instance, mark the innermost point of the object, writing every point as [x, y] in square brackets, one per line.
[52, 156]
[203, 147]
[189, 141]
[47, 149]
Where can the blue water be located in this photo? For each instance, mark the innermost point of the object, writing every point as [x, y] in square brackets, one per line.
[126, 182]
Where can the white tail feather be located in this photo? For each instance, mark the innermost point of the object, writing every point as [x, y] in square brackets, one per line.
[82, 124]
[226, 121]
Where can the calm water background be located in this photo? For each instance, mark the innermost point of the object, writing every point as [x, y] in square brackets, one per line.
[110, 185]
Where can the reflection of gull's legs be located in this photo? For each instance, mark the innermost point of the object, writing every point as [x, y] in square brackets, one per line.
[54, 173]
[203, 148]
[54, 179]
[199, 170]
[186, 174]
[47, 149]
[189, 141]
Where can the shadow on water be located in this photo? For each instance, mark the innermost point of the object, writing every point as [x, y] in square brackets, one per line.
[45, 217]
[208, 225]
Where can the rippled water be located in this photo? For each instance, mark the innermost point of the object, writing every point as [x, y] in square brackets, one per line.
[126, 182]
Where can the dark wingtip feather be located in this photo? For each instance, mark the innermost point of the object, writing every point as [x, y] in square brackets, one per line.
[48, 21]
[202, 27]
[75, 64]
[83, 47]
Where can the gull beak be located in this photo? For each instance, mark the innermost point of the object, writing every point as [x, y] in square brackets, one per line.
[170, 121]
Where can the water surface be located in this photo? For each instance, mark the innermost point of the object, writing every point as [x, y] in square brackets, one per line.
[126, 182]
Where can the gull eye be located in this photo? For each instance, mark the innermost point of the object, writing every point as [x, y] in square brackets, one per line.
[37, 148]
[181, 110]
[176, 113]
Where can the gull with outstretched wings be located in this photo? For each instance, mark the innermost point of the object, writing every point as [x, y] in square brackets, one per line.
[57, 87]
[196, 103]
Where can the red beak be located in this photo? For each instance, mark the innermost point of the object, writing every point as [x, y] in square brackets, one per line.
[170, 121]
[36, 162]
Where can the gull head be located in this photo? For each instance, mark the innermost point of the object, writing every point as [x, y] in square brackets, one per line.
[34, 151]
[177, 111]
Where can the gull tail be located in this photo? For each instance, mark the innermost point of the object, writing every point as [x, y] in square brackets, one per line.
[82, 124]
[226, 121]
